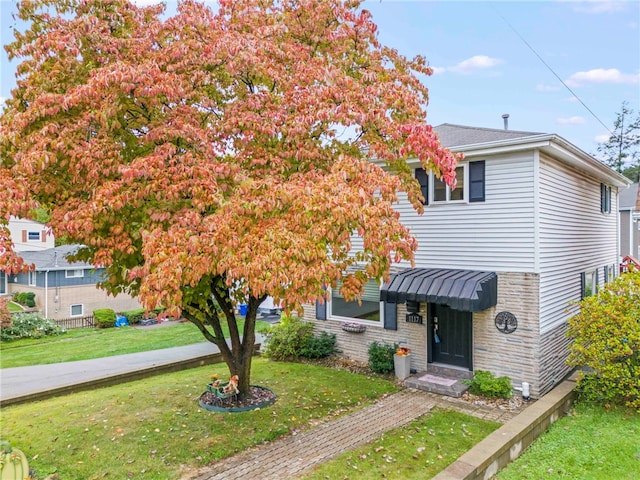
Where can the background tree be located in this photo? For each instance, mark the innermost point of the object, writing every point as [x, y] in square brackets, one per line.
[622, 150]
[202, 159]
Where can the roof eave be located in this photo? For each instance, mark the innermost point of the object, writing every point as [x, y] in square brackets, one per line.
[555, 146]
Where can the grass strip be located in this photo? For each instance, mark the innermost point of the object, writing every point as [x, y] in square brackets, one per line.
[154, 428]
[88, 343]
[591, 442]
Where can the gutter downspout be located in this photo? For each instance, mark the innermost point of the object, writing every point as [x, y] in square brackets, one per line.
[46, 294]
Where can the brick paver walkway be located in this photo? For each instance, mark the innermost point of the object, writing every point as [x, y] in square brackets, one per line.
[289, 457]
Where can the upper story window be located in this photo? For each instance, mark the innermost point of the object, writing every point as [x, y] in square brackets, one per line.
[605, 198]
[34, 236]
[367, 309]
[470, 185]
[77, 273]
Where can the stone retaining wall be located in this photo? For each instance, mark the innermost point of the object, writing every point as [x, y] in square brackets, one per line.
[506, 444]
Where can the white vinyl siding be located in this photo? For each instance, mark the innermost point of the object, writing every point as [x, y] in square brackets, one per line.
[495, 235]
[575, 237]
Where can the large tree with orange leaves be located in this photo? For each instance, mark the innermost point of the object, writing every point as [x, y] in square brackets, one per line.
[202, 157]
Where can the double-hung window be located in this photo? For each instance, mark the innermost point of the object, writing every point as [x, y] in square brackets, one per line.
[470, 185]
[589, 283]
[605, 198]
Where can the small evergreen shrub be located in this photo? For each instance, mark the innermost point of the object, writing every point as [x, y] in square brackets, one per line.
[134, 316]
[28, 299]
[606, 340]
[293, 338]
[30, 325]
[286, 340]
[486, 384]
[381, 357]
[104, 318]
[321, 346]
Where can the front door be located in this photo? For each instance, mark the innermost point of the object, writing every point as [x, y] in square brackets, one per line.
[449, 336]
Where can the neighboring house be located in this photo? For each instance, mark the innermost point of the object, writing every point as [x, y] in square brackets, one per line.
[63, 289]
[630, 221]
[532, 227]
[28, 235]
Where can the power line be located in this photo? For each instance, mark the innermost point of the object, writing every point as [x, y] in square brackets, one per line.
[551, 70]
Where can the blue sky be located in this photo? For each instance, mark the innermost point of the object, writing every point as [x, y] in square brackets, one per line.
[483, 68]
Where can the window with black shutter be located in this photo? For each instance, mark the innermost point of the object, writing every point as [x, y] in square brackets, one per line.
[423, 179]
[476, 181]
[605, 198]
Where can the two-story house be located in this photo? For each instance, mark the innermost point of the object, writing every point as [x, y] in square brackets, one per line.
[63, 289]
[531, 228]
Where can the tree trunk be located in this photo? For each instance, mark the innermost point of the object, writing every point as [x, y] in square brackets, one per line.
[237, 351]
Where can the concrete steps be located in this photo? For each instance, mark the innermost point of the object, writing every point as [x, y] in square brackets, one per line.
[440, 379]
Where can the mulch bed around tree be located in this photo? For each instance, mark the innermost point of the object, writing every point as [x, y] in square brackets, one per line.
[260, 396]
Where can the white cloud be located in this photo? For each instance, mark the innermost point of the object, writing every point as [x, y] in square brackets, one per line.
[3, 101]
[597, 6]
[602, 138]
[571, 100]
[541, 87]
[476, 62]
[470, 65]
[576, 120]
[602, 75]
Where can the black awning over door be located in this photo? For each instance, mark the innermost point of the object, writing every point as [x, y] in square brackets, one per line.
[464, 290]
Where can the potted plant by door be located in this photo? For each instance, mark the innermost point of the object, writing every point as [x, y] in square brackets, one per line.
[402, 362]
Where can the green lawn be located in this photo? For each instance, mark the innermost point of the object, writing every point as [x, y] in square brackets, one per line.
[154, 428]
[87, 343]
[416, 451]
[592, 442]
[14, 307]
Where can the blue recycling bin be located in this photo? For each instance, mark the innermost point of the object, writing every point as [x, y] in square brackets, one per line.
[243, 307]
[121, 321]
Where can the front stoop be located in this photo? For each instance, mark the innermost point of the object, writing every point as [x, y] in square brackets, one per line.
[441, 379]
[428, 382]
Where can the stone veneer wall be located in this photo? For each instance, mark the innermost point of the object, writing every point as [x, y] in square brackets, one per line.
[524, 355]
[356, 345]
[516, 354]
[554, 350]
